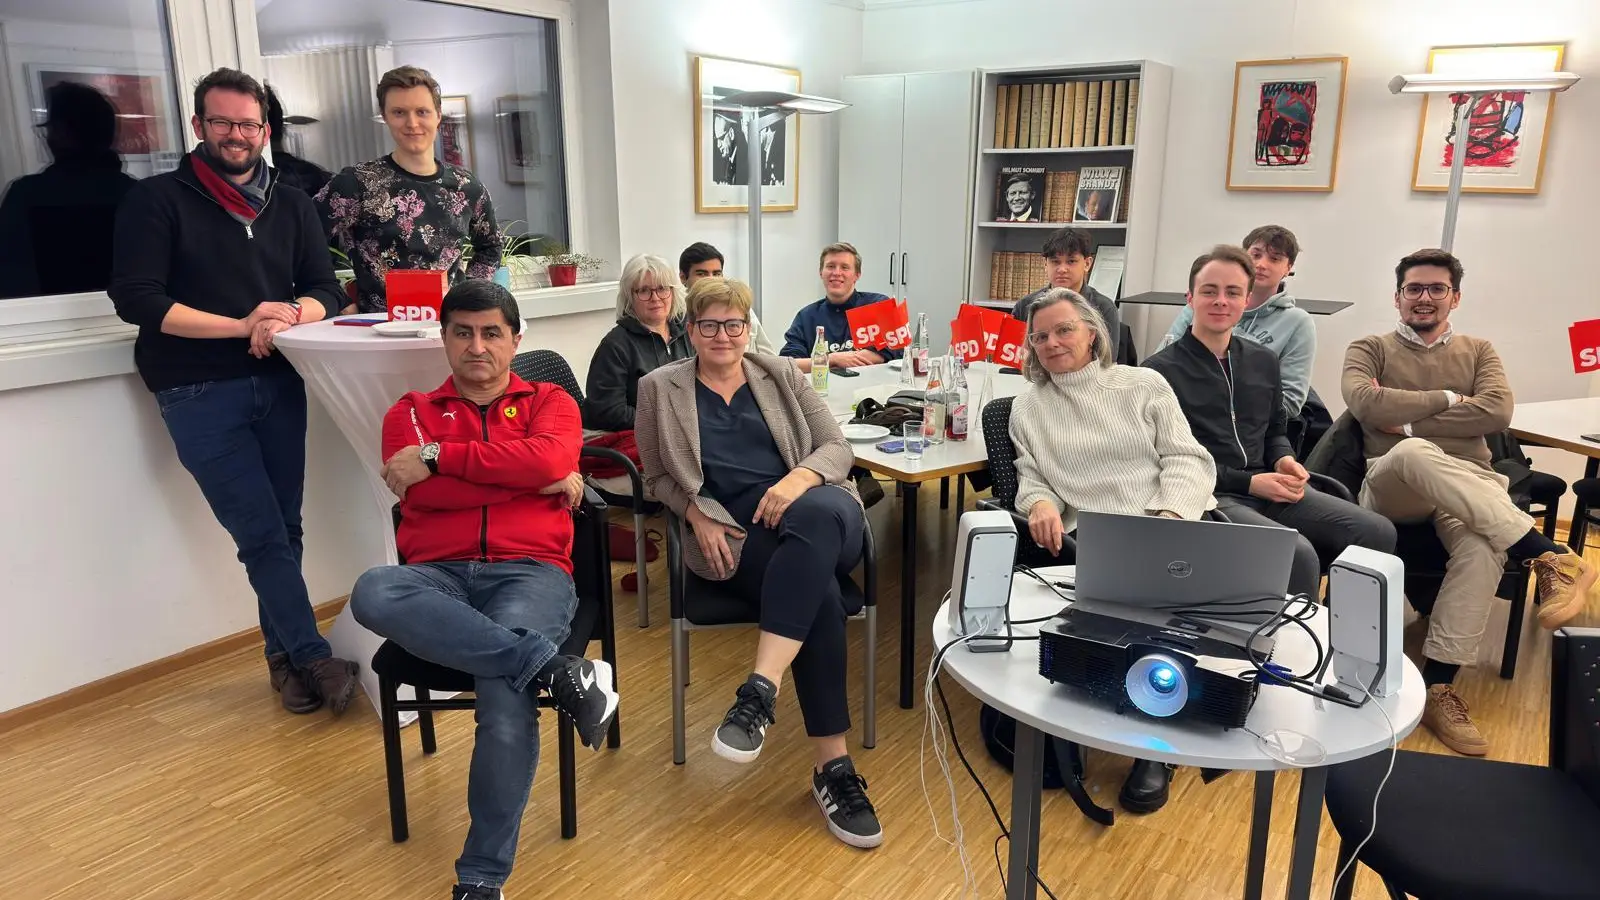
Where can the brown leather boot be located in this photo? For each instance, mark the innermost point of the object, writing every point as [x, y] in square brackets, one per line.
[297, 697]
[1565, 583]
[334, 680]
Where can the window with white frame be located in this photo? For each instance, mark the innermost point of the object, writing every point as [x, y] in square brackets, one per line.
[501, 114]
[88, 103]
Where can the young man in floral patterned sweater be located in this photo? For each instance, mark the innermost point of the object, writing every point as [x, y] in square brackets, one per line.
[409, 210]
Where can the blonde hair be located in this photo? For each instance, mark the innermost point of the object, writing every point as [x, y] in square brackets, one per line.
[708, 292]
[840, 247]
[656, 269]
[407, 77]
[1100, 348]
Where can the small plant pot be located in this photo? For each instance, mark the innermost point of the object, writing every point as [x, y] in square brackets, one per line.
[502, 277]
[563, 276]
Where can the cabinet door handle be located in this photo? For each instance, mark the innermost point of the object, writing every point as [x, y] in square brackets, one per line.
[891, 268]
[904, 268]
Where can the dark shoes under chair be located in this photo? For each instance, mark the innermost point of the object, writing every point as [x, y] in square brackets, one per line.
[331, 680]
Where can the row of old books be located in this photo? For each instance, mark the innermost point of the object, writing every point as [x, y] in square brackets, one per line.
[1014, 275]
[1050, 115]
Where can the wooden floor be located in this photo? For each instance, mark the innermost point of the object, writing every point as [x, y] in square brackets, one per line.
[198, 785]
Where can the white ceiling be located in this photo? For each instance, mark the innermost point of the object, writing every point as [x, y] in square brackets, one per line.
[287, 25]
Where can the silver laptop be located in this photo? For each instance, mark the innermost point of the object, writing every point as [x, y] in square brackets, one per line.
[1155, 562]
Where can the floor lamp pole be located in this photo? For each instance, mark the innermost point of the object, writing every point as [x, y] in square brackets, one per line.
[752, 144]
[1458, 167]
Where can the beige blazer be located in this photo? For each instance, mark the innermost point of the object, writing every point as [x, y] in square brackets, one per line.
[667, 430]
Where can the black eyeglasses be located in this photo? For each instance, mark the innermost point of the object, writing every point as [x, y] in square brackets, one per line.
[220, 127]
[1434, 291]
[708, 327]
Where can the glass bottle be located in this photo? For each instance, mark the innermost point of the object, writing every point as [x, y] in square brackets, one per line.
[958, 421]
[934, 414]
[819, 363]
[919, 346]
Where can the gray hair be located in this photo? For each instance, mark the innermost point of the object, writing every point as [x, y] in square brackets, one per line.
[656, 269]
[1100, 347]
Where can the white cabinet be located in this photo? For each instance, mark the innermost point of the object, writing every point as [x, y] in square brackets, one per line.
[906, 150]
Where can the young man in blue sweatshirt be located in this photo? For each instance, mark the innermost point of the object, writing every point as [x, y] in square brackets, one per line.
[1270, 318]
[841, 268]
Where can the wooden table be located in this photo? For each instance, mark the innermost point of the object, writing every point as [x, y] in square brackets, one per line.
[1561, 424]
[938, 462]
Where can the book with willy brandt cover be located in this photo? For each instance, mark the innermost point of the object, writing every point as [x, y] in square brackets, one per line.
[1099, 194]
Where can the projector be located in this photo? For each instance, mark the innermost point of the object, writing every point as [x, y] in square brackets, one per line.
[1159, 664]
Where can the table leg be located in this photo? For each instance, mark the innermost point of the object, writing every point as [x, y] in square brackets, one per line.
[1307, 825]
[1255, 872]
[1027, 780]
[1591, 469]
[944, 493]
[908, 592]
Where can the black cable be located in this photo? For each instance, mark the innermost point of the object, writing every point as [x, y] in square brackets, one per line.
[1005, 832]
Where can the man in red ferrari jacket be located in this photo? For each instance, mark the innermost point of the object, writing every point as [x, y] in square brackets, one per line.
[486, 471]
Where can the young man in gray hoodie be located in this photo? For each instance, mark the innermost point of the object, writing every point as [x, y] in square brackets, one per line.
[1271, 319]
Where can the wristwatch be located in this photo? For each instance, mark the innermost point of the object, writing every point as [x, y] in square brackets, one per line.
[430, 457]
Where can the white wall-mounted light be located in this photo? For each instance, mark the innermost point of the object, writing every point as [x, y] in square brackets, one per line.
[758, 110]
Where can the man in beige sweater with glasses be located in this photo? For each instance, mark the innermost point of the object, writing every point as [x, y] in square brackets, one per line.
[1426, 397]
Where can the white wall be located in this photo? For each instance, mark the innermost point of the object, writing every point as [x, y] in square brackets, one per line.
[1524, 255]
[653, 45]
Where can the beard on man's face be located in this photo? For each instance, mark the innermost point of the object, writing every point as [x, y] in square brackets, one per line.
[224, 152]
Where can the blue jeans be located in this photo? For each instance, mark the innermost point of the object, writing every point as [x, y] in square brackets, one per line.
[244, 441]
[501, 623]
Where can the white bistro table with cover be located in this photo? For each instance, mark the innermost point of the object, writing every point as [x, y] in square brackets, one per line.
[1010, 682]
[357, 374]
[939, 461]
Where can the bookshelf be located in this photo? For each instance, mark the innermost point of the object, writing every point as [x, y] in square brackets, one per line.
[1058, 137]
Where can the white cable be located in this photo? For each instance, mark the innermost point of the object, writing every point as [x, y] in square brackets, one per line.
[940, 740]
[1394, 750]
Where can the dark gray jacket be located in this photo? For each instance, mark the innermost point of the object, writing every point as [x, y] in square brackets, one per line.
[626, 354]
[1103, 304]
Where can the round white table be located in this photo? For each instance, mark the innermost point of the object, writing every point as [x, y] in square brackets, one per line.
[357, 374]
[1010, 682]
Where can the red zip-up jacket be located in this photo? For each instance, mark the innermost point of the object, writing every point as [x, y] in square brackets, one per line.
[485, 503]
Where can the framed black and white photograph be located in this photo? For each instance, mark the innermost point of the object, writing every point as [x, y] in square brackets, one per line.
[721, 153]
[453, 144]
[522, 128]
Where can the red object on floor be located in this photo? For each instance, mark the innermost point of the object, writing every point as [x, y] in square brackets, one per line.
[622, 545]
[630, 583]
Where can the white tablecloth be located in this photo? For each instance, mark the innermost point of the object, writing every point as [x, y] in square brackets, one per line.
[357, 375]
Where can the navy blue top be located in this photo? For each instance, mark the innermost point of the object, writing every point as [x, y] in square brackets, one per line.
[835, 324]
[738, 457]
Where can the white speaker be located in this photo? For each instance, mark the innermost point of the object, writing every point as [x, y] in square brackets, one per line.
[1366, 602]
[980, 587]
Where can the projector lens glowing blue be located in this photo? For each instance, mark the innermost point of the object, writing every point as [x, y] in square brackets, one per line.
[1163, 679]
[1157, 685]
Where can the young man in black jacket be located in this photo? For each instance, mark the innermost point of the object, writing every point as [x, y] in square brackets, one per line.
[1232, 394]
[211, 261]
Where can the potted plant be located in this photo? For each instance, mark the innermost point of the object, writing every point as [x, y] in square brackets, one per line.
[563, 265]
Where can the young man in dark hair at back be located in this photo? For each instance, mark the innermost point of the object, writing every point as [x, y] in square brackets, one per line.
[211, 261]
[1426, 397]
[701, 260]
[292, 170]
[1068, 256]
[1271, 317]
[1231, 394]
[485, 467]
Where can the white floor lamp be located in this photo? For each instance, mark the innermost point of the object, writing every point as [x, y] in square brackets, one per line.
[1475, 88]
[758, 110]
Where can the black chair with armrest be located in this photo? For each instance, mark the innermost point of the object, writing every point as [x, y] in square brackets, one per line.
[1457, 828]
[593, 621]
[699, 604]
[1585, 512]
[552, 368]
[1339, 455]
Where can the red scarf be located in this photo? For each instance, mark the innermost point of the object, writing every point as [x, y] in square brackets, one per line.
[222, 190]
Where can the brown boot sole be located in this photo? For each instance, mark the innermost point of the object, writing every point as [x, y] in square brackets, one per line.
[341, 702]
[1462, 747]
[310, 706]
[1553, 616]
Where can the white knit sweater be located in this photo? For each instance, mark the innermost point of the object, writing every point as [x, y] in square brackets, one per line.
[1109, 440]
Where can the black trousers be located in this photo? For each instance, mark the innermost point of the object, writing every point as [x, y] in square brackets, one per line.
[790, 576]
[1327, 525]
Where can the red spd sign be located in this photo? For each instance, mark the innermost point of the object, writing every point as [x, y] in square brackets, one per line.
[1585, 338]
[896, 325]
[1013, 334]
[415, 295]
[966, 336]
[878, 326]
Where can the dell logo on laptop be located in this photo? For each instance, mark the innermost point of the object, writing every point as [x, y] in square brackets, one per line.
[1179, 569]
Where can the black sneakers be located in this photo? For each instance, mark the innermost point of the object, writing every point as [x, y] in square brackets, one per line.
[842, 795]
[744, 728]
[582, 689]
[475, 892]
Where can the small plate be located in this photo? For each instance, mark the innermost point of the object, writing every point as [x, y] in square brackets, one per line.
[896, 364]
[864, 433]
[407, 329]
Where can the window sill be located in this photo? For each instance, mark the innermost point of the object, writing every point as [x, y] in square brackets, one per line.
[53, 340]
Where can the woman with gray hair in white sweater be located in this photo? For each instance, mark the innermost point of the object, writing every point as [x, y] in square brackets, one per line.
[1093, 435]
